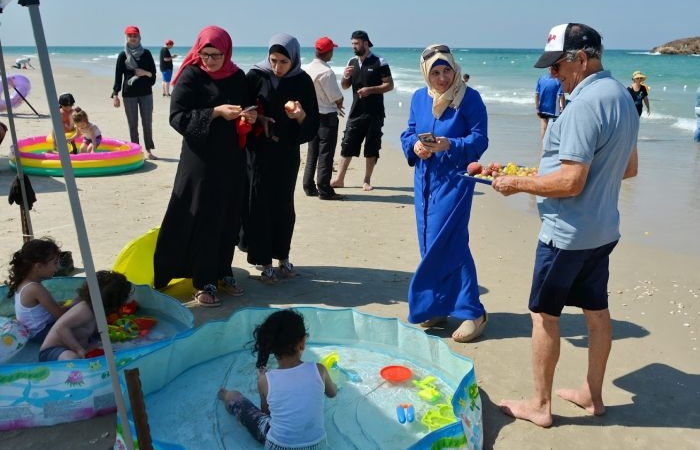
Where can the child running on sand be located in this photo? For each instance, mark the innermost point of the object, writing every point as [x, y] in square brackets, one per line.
[35, 308]
[92, 136]
[74, 333]
[291, 397]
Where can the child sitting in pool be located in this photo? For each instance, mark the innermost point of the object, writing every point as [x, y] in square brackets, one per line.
[292, 393]
[92, 136]
[65, 106]
[35, 308]
[74, 333]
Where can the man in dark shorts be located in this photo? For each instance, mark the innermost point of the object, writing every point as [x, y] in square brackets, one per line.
[549, 100]
[370, 77]
[587, 153]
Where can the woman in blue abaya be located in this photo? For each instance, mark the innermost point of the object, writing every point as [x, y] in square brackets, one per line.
[445, 284]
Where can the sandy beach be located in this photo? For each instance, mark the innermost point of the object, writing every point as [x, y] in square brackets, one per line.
[361, 253]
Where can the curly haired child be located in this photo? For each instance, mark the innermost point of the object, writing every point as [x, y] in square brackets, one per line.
[292, 394]
[92, 136]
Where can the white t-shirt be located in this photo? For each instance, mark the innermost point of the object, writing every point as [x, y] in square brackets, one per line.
[326, 84]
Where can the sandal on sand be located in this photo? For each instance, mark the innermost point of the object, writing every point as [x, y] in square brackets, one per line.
[433, 322]
[469, 330]
[229, 286]
[287, 269]
[268, 276]
[207, 297]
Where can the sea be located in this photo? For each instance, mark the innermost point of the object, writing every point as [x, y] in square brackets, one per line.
[659, 208]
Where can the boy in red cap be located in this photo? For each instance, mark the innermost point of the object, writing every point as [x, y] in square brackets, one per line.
[166, 66]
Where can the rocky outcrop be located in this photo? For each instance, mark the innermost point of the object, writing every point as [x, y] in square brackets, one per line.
[687, 46]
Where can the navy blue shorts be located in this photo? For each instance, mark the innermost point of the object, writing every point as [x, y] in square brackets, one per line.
[167, 75]
[570, 278]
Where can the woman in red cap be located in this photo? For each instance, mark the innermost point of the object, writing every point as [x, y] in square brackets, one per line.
[135, 75]
[200, 228]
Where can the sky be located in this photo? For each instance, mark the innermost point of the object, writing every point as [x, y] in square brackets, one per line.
[389, 23]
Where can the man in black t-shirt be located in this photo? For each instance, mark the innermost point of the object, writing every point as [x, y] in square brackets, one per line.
[166, 66]
[370, 77]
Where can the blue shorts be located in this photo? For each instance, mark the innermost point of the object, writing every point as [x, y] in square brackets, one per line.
[570, 278]
[167, 75]
[98, 141]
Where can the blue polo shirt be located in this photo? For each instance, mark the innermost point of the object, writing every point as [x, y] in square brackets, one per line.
[598, 128]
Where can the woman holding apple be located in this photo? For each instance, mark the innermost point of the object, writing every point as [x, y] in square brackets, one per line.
[447, 130]
[287, 117]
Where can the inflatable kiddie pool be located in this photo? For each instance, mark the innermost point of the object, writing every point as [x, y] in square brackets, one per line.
[180, 382]
[36, 393]
[19, 87]
[112, 156]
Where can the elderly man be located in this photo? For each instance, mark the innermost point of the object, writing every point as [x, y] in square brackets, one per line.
[587, 153]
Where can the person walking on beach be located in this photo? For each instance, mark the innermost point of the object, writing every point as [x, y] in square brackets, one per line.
[588, 151]
[288, 115]
[166, 66]
[445, 283]
[200, 229]
[291, 414]
[330, 103]
[370, 77]
[549, 100]
[639, 92]
[696, 136]
[134, 76]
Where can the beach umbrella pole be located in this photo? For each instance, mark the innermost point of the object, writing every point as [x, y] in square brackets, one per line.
[78, 218]
[27, 231]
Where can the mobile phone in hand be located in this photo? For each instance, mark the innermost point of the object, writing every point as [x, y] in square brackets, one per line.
[250, 108]
[427, 138]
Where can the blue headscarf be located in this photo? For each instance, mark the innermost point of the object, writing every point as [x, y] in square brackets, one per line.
[291, 45]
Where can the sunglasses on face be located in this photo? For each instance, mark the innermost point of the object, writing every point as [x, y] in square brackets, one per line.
[432, 51]
[555, 67]
[212, 56]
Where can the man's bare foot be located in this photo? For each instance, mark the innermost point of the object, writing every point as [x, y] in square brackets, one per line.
[228, 396]
[367, 187]
[337, 183]
[527, 410]
[582, 399]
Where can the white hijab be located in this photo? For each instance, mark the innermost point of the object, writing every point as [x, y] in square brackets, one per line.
[453, 96]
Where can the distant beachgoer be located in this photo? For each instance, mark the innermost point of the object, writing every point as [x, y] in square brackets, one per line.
[465, 78]
[290, 415]
[370, 77]
[549, 100]
[75, 333]
[330, 104]
[35, 308]
[166, 66]
[696, 137]
[92, 136]
[590, 149]
[639, 92]
[23, 63]
[134, 76]
[454, 115]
